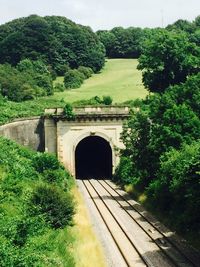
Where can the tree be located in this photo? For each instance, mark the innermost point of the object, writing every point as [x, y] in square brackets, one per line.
[108, 40]
[28, 80]
[73, 79]
[182, 25]
[177, 186]
[163, 121]
[122, 43]
[197, 21]
[168, 58]
[56, 41]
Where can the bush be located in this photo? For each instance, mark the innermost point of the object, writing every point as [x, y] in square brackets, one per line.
[96, 100]
[45, 161]
[107, 100]
[178, 185]
[59, 176]
[28, 80]
[61, 69]
[87, 72]
[68, 112]
[59, 87]
[55, 205]
[124, 171]
[73, 79]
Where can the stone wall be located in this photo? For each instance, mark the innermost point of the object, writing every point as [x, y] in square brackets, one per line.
[28, 132]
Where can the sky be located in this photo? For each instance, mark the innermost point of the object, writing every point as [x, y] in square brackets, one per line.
[105, 14]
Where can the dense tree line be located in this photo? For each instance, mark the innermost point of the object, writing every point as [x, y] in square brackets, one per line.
[28, 80]
[128, 43]
[57, 41]
[162, 152]
[161, 155]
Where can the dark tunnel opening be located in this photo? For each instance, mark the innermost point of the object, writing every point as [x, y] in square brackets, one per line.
[93, 158]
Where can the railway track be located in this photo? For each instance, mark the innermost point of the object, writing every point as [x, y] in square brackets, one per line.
[138, 237]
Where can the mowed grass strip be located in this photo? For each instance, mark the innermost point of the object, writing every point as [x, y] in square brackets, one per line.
[87, 251]
[119, 78]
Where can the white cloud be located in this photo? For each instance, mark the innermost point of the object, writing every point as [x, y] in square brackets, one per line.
[105, 14]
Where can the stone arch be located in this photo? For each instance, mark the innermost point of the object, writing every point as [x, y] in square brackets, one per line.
[95, 134]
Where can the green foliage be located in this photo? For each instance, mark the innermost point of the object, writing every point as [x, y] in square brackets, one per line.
[11, 110]
[55, 40]
[56, 206]
[68, 112]
[73, 79]
[136, 138]
[161, 155]
[167, 59]
[59, 87]
[124, 171]
[182, 25]
[87, 72]
[122, 43]
[162, 122]
[59, 176]
[107, 100]
[177, 186]
[27, 229]
[27, 81]
[96, 100]
[45, 161]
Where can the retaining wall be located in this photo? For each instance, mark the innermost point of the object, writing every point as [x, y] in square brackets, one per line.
[27, 132]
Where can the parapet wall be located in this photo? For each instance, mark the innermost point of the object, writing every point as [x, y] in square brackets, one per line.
[27, 132]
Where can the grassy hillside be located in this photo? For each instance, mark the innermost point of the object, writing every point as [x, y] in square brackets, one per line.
[119, 79]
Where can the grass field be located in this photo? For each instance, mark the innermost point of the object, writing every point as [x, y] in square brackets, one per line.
[119, 78]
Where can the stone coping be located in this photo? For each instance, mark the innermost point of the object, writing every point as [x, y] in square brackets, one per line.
[91, 113]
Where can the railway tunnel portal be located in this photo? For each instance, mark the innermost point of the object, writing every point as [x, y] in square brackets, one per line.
[87, 145]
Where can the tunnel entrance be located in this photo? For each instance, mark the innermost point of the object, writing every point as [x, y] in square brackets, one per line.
[93, 158]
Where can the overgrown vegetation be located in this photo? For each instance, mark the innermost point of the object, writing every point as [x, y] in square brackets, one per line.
[36, 209]
[161, 138]
[30, 79]
[11, 110]
[68, 112]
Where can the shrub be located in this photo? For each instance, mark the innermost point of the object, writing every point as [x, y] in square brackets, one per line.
[96, 100]
[45, 161]
[68, 112]
[56, 176]
[177, 186]
[45, 82]
[107, 100]
[61, 69]
[73, 79]
[124, 171]
[87, 72]
[59, 87]
[7, 253]
[57, 206]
